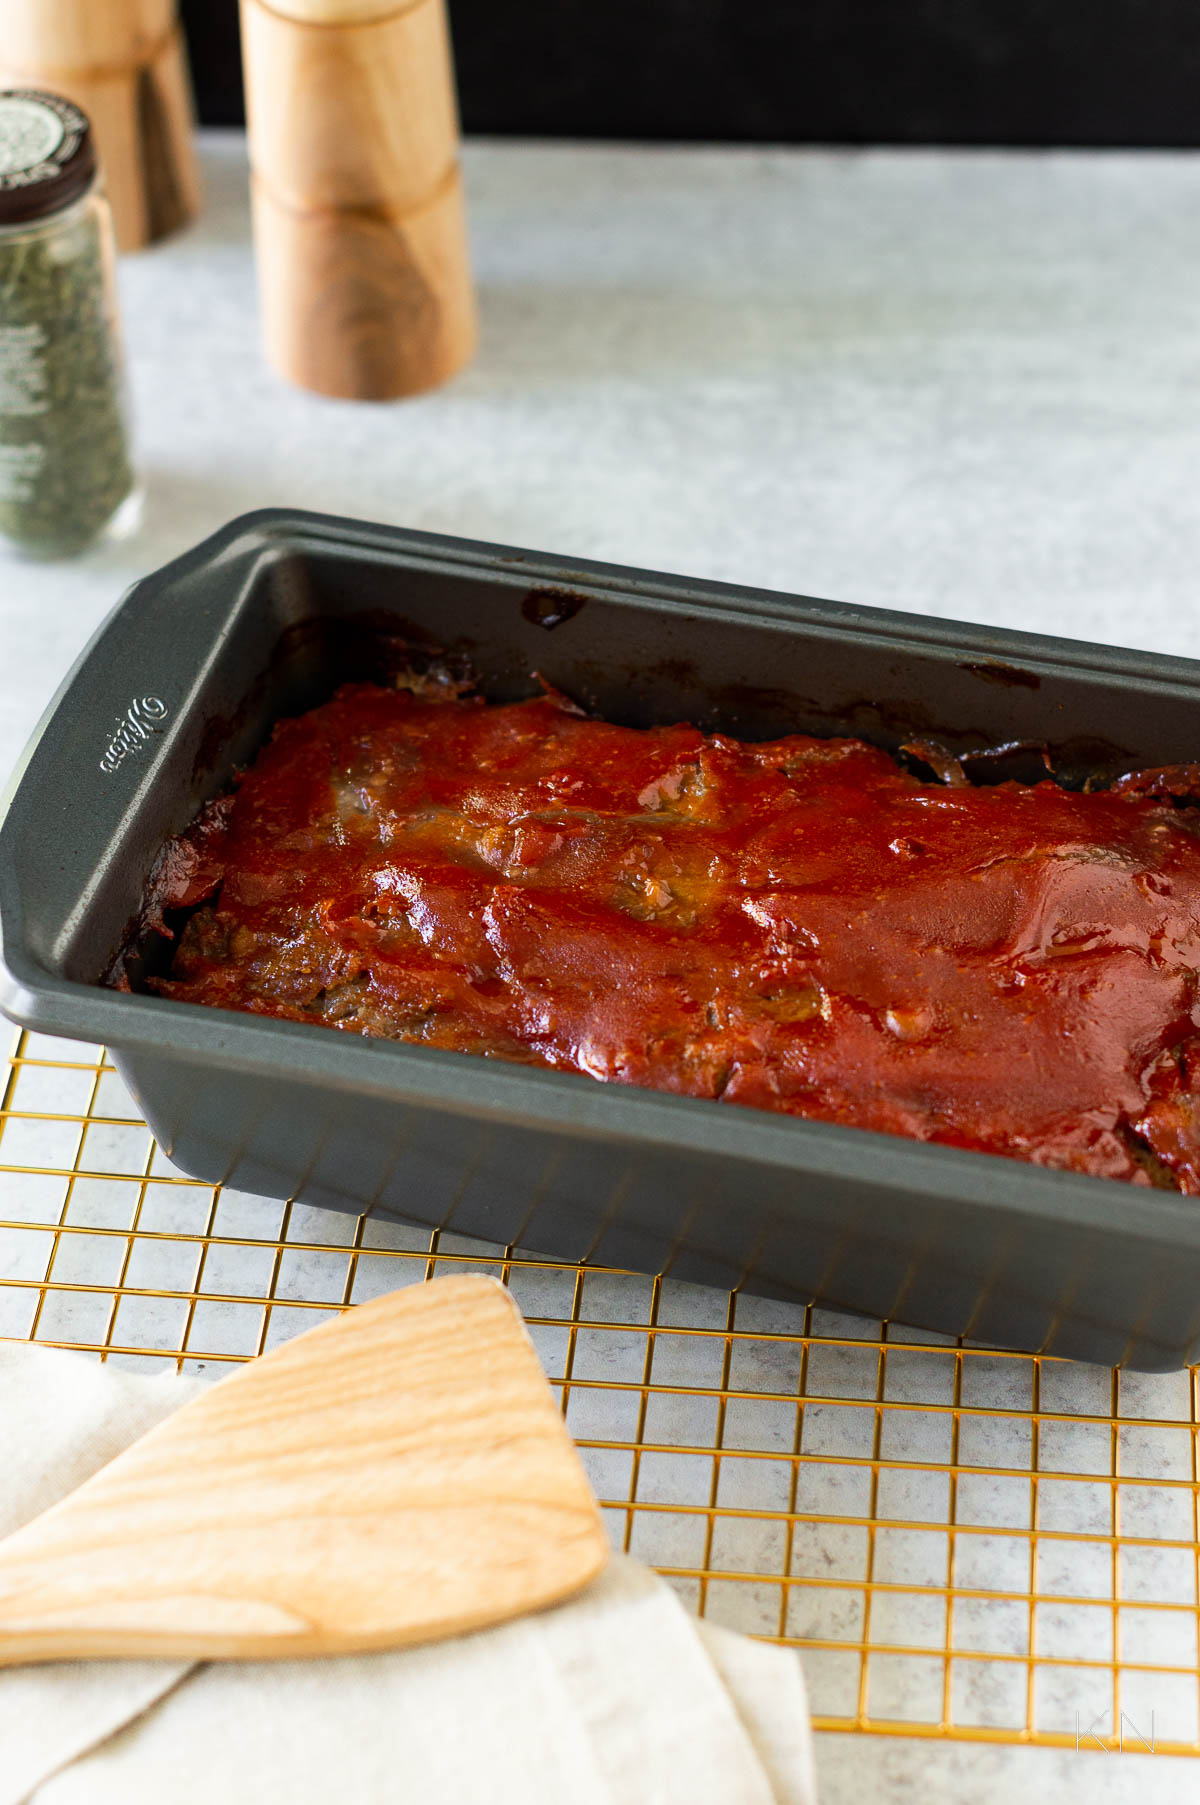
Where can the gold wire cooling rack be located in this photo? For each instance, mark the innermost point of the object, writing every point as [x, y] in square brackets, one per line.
[961, 1543]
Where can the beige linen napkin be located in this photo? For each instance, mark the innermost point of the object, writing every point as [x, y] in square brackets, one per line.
[618, 1697]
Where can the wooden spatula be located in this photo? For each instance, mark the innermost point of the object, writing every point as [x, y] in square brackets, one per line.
[398, 1474]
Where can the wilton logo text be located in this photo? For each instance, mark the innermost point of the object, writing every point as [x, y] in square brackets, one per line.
[134, 728]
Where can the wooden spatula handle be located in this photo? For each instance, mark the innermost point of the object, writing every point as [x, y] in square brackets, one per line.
[398, 1474]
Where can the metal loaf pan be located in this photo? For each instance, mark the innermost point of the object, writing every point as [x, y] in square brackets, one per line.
[182, 684]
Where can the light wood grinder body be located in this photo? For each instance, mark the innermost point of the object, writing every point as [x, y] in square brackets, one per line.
[359, 221]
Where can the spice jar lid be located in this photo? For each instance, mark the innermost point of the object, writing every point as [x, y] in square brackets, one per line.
[47, 155]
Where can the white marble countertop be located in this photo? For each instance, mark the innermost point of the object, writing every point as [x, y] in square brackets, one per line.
[962, 384]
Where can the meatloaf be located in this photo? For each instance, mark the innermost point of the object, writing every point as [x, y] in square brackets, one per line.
[809, 926]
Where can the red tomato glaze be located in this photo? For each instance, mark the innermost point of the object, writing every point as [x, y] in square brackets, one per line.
[801, 926]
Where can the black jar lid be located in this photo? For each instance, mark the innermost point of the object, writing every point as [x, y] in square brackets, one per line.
[47, 155]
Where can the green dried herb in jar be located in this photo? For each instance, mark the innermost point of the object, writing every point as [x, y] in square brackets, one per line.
[65, 471]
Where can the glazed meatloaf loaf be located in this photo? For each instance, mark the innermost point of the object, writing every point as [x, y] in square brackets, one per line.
[808, 926]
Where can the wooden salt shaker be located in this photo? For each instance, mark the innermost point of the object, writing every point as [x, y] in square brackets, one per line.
[358, 207]
[124, 63]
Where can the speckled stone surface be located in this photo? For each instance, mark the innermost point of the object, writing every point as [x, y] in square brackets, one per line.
[960, 384]
[965, 385]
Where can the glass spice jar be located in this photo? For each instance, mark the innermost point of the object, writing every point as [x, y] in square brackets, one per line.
[65, 470]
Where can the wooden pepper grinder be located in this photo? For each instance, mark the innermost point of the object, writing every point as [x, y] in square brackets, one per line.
[358, 208]
[124, 63]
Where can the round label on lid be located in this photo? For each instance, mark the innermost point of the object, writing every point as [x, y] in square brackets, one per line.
[47, 157]
[30, 131]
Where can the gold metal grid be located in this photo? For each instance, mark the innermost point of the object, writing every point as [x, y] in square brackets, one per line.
[961, 1542]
